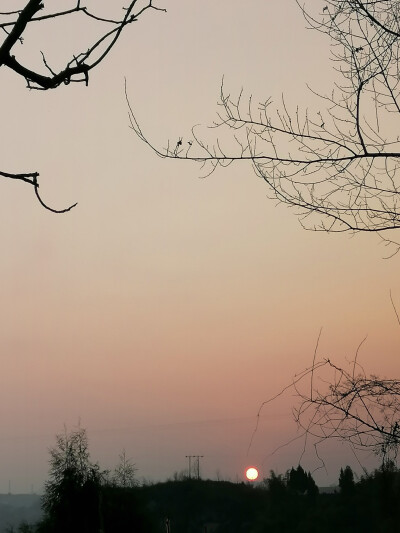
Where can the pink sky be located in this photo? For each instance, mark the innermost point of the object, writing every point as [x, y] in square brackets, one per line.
[164, 309]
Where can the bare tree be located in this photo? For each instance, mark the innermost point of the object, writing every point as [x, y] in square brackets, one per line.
[71, 474]
[348, 405]
[362, 410]
[125, 472]
[337, 166]
[15, 25]
[345, 404]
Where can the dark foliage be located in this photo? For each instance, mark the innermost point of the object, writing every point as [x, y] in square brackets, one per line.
[279, 505]
[71, 501]
[193, 505]
[346, 482]
[125, 509]
[301, 482]
[196, 506]
[80, 498]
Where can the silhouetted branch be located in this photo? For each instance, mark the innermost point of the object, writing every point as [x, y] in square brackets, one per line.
[32, 179]
[349, 406]
[394, 307]
[15, 23]
[338, 166]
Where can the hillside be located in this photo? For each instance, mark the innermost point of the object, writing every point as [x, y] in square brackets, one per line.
[17, 508]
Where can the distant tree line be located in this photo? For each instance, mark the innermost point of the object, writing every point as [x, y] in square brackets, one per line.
[294, 504]
[80, 497]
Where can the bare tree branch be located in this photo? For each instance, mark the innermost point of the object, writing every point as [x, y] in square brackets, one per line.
[337, 167]
[352, 407]
[77, 68]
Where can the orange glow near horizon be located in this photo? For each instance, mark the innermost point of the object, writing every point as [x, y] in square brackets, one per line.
[165, 310]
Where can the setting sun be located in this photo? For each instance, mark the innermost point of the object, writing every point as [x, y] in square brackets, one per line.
[252, 473]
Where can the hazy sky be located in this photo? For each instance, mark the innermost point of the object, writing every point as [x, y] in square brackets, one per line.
[164, 309]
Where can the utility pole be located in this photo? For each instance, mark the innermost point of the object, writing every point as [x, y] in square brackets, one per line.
[198, 457]
[189, 457]
[197, 464]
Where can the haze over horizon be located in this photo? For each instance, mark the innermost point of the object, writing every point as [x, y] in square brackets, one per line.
[164, 309]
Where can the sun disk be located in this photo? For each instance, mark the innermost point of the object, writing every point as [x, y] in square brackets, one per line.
[252, 473]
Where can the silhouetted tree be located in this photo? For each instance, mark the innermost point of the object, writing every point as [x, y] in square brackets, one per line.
[16, 24]
[338, 166]
[301, 482]
[297, 480]
[276, 487]
[346, 482]
[72, 496]
[125, 472]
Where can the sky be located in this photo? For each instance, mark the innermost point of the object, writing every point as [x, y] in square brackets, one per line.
[165, 308]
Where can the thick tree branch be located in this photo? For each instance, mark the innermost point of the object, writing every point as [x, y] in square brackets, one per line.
[77, 66]
[31, 8]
